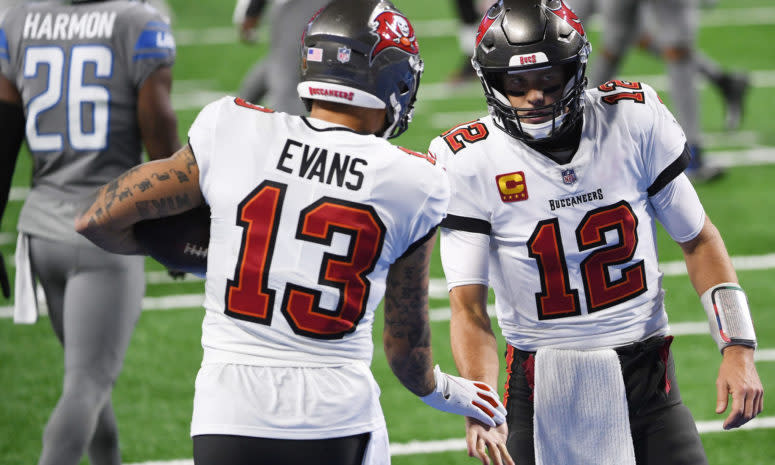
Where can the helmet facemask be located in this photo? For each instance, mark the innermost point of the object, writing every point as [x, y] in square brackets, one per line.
[562, 113]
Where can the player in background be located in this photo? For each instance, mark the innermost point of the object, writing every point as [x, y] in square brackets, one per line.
[314, 219]
[667, 29]
[87, 84]
[272, 81]
[554, 200]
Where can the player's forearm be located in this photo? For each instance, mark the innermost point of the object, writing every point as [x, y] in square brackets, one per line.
[97, 224]
[151, 190]
[474, 348]
[473, 341]
[707, 260]
[407, 340]
[408, 351]
[407, 335]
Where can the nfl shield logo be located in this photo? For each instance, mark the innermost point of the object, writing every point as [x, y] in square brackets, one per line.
[343, 55]
[568, 176]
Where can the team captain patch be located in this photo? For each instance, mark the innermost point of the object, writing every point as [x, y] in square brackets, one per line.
[512, 186]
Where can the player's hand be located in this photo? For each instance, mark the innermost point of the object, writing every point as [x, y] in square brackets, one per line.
[737, 376]
[247, 30]
[4, 283]
[462, 396]
[487, 443]
[176, 274]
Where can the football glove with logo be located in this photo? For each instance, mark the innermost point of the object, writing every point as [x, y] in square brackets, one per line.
[462, 396]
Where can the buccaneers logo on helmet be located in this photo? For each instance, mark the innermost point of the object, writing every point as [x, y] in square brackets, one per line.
[564, 12]
[393, 30]
[489, 18]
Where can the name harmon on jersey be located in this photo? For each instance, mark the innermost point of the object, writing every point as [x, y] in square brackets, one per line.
[68, 26]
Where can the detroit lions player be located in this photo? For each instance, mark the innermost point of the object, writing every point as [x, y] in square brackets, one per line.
[314, 219]
[92, 80]
[555, 195]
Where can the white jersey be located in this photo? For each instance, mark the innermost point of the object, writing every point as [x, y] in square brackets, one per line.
[572, 247]
[307, 217]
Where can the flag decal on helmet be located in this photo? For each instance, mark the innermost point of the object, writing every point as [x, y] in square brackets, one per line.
[315, 54]
[567, 15]
[393, 30]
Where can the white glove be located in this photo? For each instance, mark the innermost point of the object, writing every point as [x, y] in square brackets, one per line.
[462, 396]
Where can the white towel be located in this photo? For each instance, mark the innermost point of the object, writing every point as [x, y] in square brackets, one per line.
[580, 409]
[25, 305]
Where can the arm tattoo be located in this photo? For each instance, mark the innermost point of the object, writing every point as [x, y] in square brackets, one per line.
[163, 206]
[407, 331]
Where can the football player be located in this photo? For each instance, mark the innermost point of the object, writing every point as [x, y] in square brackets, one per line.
[554, 200]
[314, 219]
[87, 84]
[273, 80]
[669, 29]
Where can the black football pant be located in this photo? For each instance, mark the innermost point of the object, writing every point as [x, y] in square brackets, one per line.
[663, 430]
[219, 449]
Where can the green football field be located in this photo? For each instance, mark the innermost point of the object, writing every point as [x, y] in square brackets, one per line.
[153, 395]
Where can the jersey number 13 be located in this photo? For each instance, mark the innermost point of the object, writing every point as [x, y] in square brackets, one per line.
[249, 297]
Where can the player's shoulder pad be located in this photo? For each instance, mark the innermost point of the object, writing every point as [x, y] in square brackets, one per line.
[462, 136]
[4, 52]
[428, 157]
[154, 39]
[633, 103]
[11, 20]
[239, 102]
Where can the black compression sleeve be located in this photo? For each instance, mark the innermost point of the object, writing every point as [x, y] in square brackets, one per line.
[11, 136]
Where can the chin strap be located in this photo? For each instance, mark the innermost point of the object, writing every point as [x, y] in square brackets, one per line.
[728, 316]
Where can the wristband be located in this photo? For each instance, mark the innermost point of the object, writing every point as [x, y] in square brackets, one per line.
[728, 316]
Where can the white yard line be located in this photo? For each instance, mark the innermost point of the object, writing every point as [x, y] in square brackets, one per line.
[437, 288]
[764, 355]
[459, 444]
[745, 157]
[445, 91]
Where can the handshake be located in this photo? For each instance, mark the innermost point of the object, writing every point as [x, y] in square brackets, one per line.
[462, 396]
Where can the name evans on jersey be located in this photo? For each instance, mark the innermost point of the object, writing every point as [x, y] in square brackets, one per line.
[315, 163]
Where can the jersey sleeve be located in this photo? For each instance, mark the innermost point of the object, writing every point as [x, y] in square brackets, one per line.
[664, 145]
[202, 138]
[464, 257]
[431, 211]
[467, 198]
[679, 210]
[8, 54]
[149, 42]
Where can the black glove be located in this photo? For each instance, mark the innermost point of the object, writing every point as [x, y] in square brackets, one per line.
[4, 283]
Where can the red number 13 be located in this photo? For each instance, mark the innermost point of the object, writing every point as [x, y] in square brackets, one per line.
[248, 296]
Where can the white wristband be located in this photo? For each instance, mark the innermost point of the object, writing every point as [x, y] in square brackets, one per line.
[728, 316]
